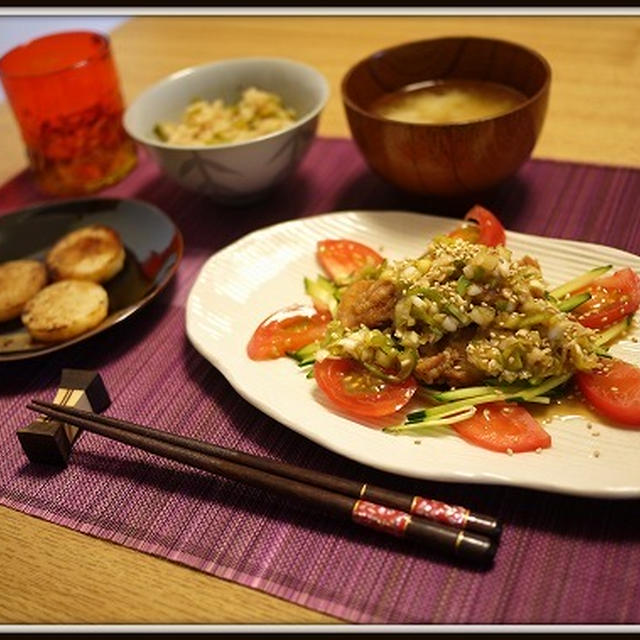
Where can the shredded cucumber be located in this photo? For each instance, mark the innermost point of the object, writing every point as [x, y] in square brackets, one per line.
[323, 292]
[527, 395]
[569, 304]
[459, 402]
[460, 394]
[451, 408]
[305, 355]
[577, 283]
[613, 331]
[432, 422]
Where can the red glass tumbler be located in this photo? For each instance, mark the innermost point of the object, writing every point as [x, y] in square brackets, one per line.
[65, 94]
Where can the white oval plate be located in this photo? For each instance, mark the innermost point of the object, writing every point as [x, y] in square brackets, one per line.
[244, 283]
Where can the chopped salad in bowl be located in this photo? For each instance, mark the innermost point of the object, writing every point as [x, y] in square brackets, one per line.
[465, 330]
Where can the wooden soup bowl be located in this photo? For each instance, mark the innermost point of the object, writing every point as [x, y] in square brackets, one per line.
[447, 159]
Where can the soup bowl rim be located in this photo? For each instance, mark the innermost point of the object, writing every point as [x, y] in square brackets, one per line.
[354, 106]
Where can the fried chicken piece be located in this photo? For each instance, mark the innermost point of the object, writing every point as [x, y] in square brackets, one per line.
[368, 302]
[448, 364]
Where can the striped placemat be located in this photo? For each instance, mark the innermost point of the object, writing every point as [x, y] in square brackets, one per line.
[562, 559]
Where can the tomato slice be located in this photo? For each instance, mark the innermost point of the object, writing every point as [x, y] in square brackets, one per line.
[502, 426]
[488, 230]
[614, 391]
[612, 298]
[342, 258]
[358, 392]
[287, 330]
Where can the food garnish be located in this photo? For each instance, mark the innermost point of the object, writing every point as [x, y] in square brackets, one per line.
[257, 113]
[470, 333]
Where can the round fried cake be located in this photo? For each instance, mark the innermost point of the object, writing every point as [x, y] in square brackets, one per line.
[65, 309]
[20, 280]
[93, 253]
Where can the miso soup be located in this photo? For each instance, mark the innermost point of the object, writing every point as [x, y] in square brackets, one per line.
[448, 101]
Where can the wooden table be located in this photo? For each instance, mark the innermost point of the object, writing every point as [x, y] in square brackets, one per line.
[53, 575]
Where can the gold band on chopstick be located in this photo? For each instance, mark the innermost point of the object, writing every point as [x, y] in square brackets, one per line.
[458, 542]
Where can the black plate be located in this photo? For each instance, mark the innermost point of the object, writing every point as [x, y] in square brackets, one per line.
[153, 247]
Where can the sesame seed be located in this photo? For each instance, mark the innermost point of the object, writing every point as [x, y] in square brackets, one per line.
[539, 450]
[596, 454]
[510, 452]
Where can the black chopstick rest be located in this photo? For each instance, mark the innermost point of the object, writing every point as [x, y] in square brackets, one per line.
[432, 535]
[50, 442]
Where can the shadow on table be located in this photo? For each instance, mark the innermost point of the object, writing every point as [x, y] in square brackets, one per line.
[368, 191]
[209, 226]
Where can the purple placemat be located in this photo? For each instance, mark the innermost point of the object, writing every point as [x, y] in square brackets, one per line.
[562, 559]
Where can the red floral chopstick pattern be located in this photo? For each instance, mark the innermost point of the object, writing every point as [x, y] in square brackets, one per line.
[435, 510]
[380, 518]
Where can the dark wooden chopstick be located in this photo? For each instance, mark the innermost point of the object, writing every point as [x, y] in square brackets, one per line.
[453, 515]
[435, 535]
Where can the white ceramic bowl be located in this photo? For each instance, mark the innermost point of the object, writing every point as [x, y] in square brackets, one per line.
[235, 173]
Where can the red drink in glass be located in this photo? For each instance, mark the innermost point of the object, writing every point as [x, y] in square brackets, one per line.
[65, 95]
